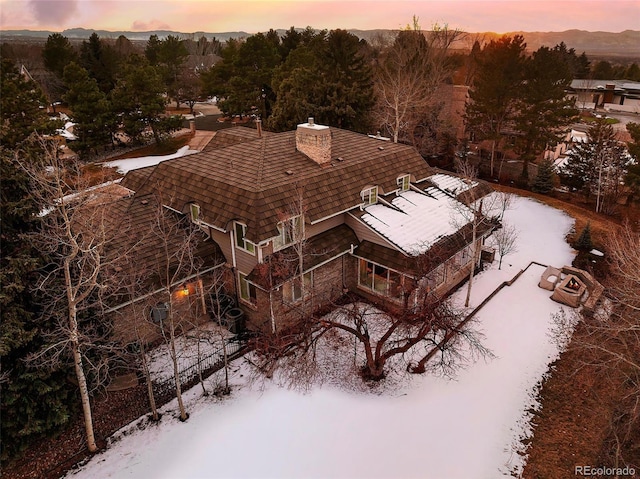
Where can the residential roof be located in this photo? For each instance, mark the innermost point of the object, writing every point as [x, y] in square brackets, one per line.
[255, 180]
[136, 217]
[416, 221]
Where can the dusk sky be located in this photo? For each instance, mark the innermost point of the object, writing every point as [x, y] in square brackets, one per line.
[253, 16]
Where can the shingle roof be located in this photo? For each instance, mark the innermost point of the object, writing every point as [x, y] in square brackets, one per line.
[135, 217]
[255, 180]
[416, 221]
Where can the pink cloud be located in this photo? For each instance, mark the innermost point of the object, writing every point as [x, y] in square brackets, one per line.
[139, 26]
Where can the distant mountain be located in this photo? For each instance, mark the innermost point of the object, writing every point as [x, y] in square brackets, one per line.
[622, 44]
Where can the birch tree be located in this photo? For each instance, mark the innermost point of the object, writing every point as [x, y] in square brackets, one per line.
[75, 229]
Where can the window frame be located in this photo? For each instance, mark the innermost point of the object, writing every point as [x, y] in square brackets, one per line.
[194, 210]
[370, 195]
[245, 285]
[292, 227]
[241, 241]
[372, 274]
[289, 288]
[400, 181]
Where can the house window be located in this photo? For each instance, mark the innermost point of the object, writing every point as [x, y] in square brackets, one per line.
[370, 195]
[292, 290]
[195, 212]
[247, 289]
[436, 277]
[241, 241]
[290, 231]
[380, 280]
[403, 182]
[463, 257]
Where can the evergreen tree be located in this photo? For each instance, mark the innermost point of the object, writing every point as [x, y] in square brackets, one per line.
[543, 111]
[328, 78]
[21, 103]
[496, 86]
[139, 96]
[596, 166]
[584, 240]
[58, 53]
[33, 401]
[92, 114]
[100, 60]
[544, 179]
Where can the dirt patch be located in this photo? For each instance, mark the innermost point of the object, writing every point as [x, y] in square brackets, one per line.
[50, 458]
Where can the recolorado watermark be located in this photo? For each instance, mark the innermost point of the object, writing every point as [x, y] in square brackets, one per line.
[600, 471]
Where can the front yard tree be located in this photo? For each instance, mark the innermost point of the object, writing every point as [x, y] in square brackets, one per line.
[495, 89]
[543, 111]
[73, 234]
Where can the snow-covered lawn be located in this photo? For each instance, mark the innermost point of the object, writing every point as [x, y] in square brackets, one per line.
[416, 427]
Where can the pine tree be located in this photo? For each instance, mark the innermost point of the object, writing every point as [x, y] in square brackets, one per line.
[92, 114]
[34, 401]
[584, 240]
[496, 86]
[544, 179]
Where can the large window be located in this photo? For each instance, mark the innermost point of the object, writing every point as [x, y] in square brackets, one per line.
[380, 280]
[290, 231]
[292, 290]
[462, 257]
[436, 277]
[247, 289]
[241, 241]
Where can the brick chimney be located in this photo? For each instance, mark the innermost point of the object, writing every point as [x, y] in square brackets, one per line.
[314, 141]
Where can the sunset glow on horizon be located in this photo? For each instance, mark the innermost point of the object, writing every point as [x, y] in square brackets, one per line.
[252, 16]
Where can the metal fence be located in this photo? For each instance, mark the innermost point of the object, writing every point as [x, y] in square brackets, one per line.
[205, 366]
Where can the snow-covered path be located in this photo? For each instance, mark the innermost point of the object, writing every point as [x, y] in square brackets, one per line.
[426, 427]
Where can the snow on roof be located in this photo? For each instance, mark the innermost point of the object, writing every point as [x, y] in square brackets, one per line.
[419, 221]
[129, 164]
[579, 136]
[452, 184]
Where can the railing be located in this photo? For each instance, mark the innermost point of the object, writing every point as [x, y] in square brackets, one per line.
[205, 367]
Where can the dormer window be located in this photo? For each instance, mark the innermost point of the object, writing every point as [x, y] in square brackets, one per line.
[195, 212]
[370, 195]
[290, 231]
[241, 241]
[403, 182]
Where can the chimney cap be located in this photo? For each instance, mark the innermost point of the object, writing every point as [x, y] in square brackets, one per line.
[310, 120]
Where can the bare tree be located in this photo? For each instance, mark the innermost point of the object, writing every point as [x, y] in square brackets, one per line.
[76, 228]
[408, 74]
[505, 240]
[609, 342]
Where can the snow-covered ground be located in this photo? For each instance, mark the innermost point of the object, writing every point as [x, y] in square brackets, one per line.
[128, 164]
[415, 427]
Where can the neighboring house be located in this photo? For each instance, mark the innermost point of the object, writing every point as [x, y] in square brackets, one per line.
[615, 94]
[303, 216]
[558, 154]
